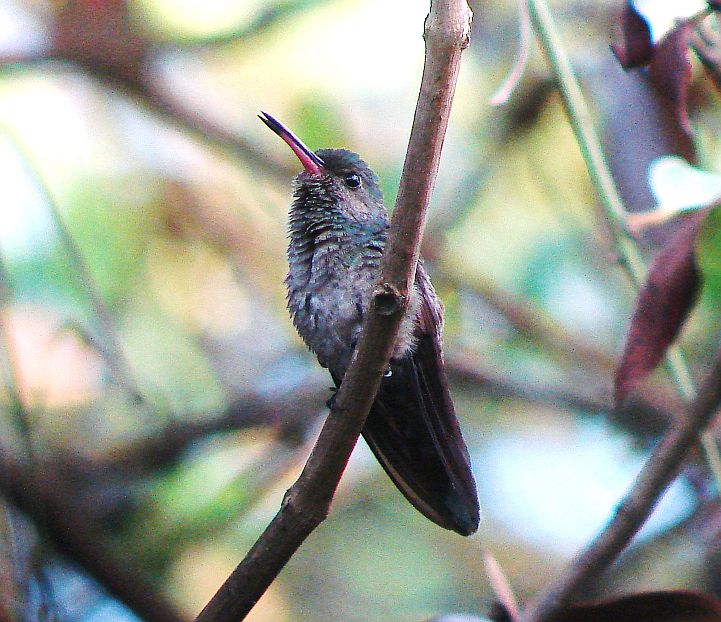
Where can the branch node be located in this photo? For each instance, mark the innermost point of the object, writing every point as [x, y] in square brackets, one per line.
[305, 506]
[450, 29]
[286, 498]
[388, 300]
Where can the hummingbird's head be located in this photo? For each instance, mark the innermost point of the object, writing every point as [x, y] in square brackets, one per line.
[335, 176]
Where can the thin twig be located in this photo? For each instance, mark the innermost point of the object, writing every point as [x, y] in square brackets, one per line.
[307, 502]
[644, 419]
[504, 92]
[501, 586]
[658, 472]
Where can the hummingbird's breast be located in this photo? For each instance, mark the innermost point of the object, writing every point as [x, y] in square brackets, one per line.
[330, 284]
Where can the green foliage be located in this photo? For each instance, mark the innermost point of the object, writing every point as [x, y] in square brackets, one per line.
[112, 221]
[708, 254]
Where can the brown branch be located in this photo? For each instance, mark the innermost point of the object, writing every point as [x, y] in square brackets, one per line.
[641, 418]
[149, 91]
[307, 502]
[658, 472]
[267, 17]
[533, 322]
[290, 417]
[40, 494]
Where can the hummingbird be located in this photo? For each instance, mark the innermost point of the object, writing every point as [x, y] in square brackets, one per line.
[338, 229]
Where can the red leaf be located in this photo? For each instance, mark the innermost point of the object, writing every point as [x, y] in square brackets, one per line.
[662, 306]
[636, 49]
[670, 606]
[670, 69]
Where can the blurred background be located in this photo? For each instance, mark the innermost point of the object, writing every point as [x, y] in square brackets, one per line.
[156, 400]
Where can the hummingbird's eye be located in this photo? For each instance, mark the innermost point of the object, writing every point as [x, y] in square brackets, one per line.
[352, 180]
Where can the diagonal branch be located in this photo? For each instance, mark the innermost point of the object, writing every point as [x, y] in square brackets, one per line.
[154, 93]
[307, 502]
[659, 471]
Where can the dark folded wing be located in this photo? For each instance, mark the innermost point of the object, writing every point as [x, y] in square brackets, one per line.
[413, 431]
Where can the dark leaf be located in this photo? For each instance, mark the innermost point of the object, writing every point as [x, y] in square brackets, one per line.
[639, 126]
[679, 606]
[636, 49]
[670, 69]
[662, 306]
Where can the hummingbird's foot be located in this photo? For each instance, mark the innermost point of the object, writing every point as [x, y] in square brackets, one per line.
[331, 400]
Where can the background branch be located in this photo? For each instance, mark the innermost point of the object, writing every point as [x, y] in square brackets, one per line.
[307, 502]
[642, 418]
[41, 494]
[658, 472]
[289, 416]
[267, 17]
[149, 90]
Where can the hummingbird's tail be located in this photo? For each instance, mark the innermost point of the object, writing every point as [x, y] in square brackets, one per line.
[413, 431]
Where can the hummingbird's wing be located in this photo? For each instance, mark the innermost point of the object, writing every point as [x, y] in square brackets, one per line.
[413, 431]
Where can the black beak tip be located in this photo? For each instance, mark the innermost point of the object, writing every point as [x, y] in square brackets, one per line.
[271, 122]
[310, 160]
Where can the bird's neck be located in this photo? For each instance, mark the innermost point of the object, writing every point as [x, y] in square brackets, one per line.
[324, 240]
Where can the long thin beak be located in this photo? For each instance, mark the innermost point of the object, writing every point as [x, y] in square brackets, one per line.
[310, 161]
